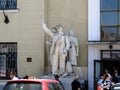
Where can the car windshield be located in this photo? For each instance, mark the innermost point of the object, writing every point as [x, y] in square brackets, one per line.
[54, 86]
[23, 86]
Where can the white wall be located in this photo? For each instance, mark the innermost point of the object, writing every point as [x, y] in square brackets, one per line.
[93, 20]
[93, 35]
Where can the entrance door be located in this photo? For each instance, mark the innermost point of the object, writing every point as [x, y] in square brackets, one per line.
[98, 70]
[101, 65]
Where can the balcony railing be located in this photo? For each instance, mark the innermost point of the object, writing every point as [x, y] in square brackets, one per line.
[8, 4]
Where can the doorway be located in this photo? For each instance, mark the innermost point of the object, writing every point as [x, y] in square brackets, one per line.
[110, 65]
[101, 65]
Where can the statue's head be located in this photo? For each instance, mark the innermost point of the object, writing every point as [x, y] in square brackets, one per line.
[59, 28]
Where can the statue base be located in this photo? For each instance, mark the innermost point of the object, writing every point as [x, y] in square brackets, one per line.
[66, 80]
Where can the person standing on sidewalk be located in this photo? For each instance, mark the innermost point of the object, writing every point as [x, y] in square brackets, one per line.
[76, 84]
[57, 79]
[13, 76]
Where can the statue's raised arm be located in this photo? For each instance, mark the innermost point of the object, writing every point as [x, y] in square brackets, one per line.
[46, 29]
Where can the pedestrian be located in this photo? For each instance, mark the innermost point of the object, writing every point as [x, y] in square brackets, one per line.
[106, 84]
[25, 77]
[57, 78]
[13, 76]
[76, 84]
[100, 80]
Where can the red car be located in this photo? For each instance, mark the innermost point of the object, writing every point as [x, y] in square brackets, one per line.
[33, 84]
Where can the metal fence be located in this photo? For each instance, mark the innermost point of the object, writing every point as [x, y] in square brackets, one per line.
[8, 58]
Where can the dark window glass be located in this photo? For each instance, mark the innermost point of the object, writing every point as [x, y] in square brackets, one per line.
[108, 4]
[8, 4]
[119, 18]
[119, 34]
[54, 86]
[23, 86]
[108, 33]
[119, 4]
[108, 18]
[110, 54]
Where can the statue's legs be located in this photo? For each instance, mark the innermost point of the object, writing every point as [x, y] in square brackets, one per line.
[62, 63]
[55, 62]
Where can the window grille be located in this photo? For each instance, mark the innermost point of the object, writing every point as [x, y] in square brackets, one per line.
[8, 58]
[8, 4]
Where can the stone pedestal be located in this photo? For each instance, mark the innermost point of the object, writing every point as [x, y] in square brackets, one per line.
[66, 81]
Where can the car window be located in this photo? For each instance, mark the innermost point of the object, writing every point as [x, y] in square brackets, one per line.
[54, 86]
[23, 86]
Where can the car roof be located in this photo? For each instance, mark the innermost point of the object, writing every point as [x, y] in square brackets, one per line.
[34, 80]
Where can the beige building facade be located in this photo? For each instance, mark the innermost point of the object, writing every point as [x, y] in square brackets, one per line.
[71, 14]
[26, 31]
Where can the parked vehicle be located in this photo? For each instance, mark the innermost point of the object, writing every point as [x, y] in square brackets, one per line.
[33, 84]
[115, 86]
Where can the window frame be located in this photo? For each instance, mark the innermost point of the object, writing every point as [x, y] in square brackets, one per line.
[8, 7]
[10, 60]
[113, 54]
[117, 25]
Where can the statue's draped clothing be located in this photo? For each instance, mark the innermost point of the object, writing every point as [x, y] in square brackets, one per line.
[58, 51]
[73, 50]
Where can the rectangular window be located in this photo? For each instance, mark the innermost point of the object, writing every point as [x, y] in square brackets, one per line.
[110, 20]
[8, 4]
[54, 86]
[8, 59]
[22, 85]
[110, 54]
[119, 34]
[108, 33]
[108, 4]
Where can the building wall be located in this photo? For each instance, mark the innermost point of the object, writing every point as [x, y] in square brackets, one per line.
[95, 54]
[25, 29]
[93, 20]
[93, 50]
[71, 14]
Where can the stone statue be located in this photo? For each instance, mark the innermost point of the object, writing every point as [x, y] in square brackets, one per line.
[59, 48]
[49, 43]
[73, 51]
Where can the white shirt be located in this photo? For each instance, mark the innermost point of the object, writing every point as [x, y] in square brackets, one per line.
[14, 78]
